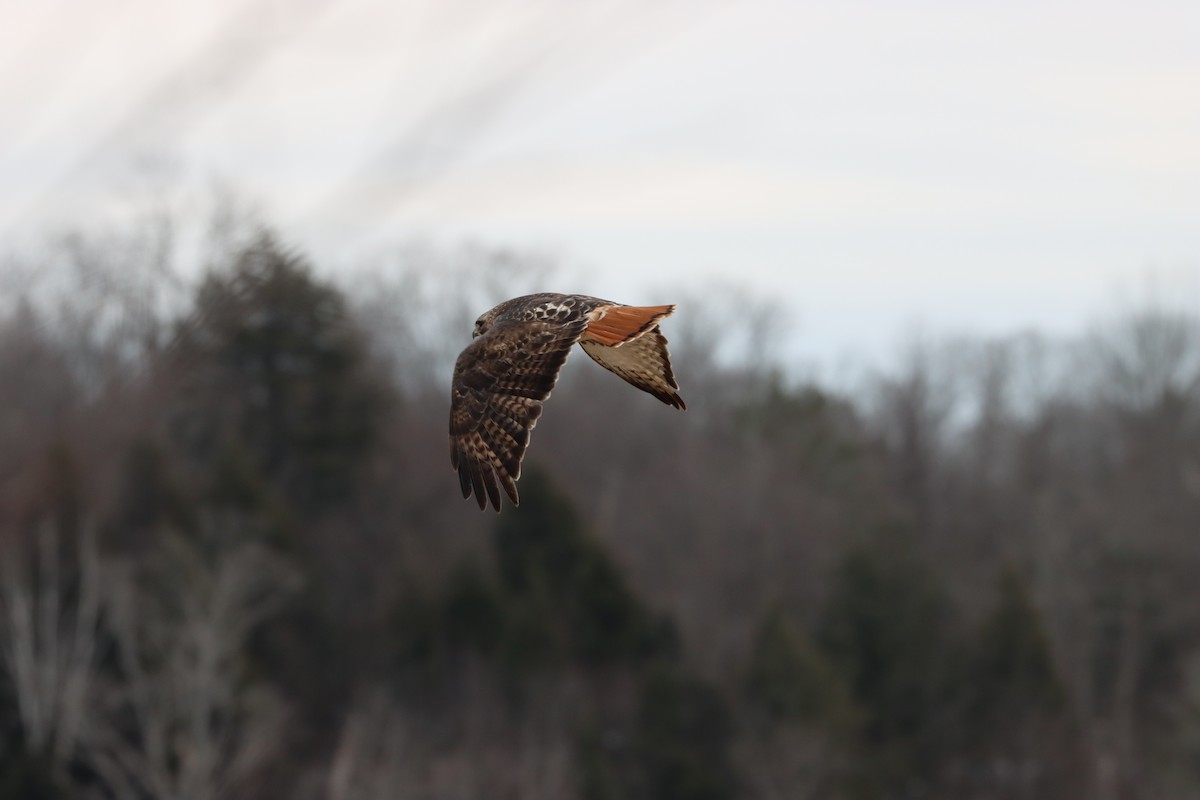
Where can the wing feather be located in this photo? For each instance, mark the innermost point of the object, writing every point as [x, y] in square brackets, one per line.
[500, 383]
[642, 361]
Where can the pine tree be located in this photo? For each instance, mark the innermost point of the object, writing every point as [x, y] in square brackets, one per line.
[885, 627]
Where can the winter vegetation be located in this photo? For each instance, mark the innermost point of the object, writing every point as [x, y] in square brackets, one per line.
[234, 562]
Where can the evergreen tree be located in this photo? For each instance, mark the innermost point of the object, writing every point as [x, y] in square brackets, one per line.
[276, 375]
[1012, 670]
[885, 627]
[1018, 736]
[275, 418]
[149, 499]
[791, 679]
[565, 596]
[683, 737]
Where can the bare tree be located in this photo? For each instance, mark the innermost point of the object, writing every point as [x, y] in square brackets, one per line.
[419, 323]
[791, 762]
[48, 638]
[385, 750]
[197, 726]
[1147, 357]
[914, 409]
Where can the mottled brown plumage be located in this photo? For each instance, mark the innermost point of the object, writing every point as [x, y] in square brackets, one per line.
[502, 378]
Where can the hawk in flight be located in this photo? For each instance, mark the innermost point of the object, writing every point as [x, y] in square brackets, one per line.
[507, 372]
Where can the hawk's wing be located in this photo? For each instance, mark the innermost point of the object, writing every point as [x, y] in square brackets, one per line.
[500, 382]
[642, 361]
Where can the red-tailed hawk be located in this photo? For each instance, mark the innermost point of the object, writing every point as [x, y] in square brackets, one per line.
[504, 376]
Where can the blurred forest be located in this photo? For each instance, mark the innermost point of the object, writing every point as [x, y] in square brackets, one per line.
[235, 563]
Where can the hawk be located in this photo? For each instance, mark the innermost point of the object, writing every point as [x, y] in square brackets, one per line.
[502, 378]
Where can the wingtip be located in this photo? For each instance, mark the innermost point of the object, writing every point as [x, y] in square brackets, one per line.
[671, 398]
[464, 481]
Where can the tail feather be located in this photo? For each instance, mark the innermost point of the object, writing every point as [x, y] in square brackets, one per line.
[621, 324]
[643, 362]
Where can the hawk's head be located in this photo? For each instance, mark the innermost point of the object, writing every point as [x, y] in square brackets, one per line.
[484, 323]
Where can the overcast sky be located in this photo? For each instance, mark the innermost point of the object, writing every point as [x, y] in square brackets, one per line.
[972, 166]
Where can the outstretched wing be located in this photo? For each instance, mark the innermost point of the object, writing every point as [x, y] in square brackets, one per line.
[642, 361]
[500, 382]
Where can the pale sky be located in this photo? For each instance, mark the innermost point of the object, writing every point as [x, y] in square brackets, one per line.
[968, 166]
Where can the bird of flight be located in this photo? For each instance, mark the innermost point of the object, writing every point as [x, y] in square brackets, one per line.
[502, 378]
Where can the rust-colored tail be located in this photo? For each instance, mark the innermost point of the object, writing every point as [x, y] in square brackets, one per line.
[621, 324]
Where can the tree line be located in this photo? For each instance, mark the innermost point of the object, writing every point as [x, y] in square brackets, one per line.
[234, 562]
